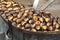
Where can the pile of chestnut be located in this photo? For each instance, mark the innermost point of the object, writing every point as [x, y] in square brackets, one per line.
[28, 19]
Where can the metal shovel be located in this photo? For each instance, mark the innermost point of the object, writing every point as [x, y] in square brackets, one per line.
[35, 4]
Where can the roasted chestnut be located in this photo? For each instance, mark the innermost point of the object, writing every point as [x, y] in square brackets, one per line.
[44, 27]
[35, 18]
[37, 27]
[50, 28]
[18, 21]
[57, 26]
[31, 21]
[18, 25]
[27, 26]
[47, 19]
[33, 30]
[41, 19]
[10, 18]
[14, 19]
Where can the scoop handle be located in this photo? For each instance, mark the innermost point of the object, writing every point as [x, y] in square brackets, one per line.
[35, 4]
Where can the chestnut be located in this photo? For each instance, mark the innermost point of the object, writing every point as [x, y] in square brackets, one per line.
[27, 25]
[16, 8]
[30, 12]
[41, 24]
[10, 18]
[25, 14]
[57, 26]
[22, 9]
[18, 25]
[6, 11]
[14, 23]
[1, 12]
[27, 29]
[3, 15]
[48, 24]
[17, 11]
[19, 15]
[37, 22]
[22, 28]
[18, 21]
[50, 28]
[26, 19]
[33, 30]
[54, 23]
[21, 6]
[15, 14]
[23, 22]
[56, 29]
[44, 27]
[31, 21]
[35, 18]
[14, 19]
[37, 27]
[33, 25]
[26, 11]
[15, 4]
[8, 14]
[41, 19]
[8, 5]
[47, 13]
[3, 8]
[47, 19]
[10, 9]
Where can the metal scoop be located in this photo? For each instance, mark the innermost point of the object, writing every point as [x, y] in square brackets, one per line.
[35, 4]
